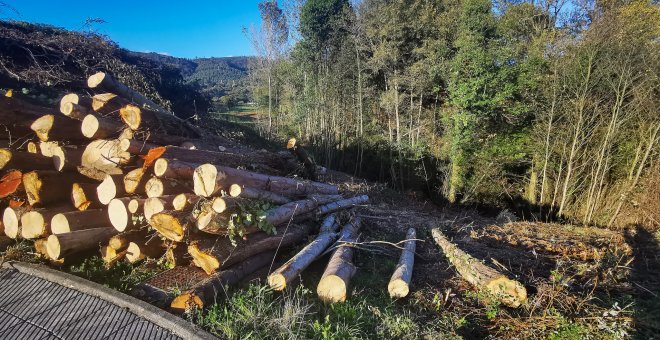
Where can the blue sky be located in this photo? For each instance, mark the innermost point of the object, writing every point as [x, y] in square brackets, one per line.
[179, 28]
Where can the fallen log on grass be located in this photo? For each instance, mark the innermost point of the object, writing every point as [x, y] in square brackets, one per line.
[205, 292]
[282, 276]
[510, 292]
[333, 286]
[399, 285]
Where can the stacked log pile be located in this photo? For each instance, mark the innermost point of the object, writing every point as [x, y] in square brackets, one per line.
[115, 172]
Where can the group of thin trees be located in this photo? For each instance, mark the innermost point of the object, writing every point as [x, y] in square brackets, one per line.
[552, 102]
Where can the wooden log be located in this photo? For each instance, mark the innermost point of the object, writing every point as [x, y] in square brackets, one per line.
[154, 205]
[67, 158]
[52, 127]
[46, 148]
[151, 248]
[32, 147]
[17, 116]
[342, 204]
[204, 293]
[209, 179]
[103, 154]
[79, 220]
[303, 157]
[62, 245]
[185, 202]
[121, 241]
[173, 169]
[333, 286]
[286, 212]
[214, 254]
[170, 224]
[36, 223]
[122, 213]
[108, 104]
[73, 104]
[136, 147]
[210, 217]
[111, 256]
[83, 196]
[399, 285]
[96, 127]
[104, 81]
[282, 276]
[135, 181]
[112, 186]
[236, 190]
[47, 186]
[157, 187]
[510, 292]
[136, 205]
[11, 219]
[23, 160]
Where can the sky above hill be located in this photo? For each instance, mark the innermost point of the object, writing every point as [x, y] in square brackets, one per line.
[188, 29]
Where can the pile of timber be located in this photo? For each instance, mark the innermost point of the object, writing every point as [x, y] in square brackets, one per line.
[116, 173]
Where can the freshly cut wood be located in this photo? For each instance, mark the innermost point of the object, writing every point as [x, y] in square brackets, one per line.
[152, 248]
[333, 286]
[11, 219]
[136, 205]
[204, 293]
[286, 212]
[121, 241]
[209, 179]
[342, 204]
[170, 224]
[48, 186]
[79, 220]
[112, 186]
[17, 116]
[282, 276]
[56, 127]
[32, 147]
[108, 103]
[135, 181]
[10, 184]
[12, 159]
[210, 217]
[399, 285]
[163, 124]
[36, 223]
[75, 111]
[62, 245]
[83, 196]
[173, 169]
[104, 81]
[136, 147]
[110, 255]
[66, 158]
[95, 127]
[154, 205]
[71, 101]
[103, 154]
[185, 202]
[236, 190]
[157, 187]
[120, 215]
[510, 292]
[214, 254]
[46, 148]
[303, 157]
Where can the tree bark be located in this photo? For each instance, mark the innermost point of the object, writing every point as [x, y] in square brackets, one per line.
[37, 223]
[44, 187]
[79, 220]
[60, 246]
[399, 285]
[151, 248]
[51, 127]
[23, 160]
[510, 292]
[236, 190]
[282, 276]
[342, 204]
[333, 286]
[97, 127]
[157, 187]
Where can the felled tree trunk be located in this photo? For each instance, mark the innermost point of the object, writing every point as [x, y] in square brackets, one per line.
[214, 254]
[45, 187]
[204, 293]
[51, 127]
[83, 196]
[151, 248]
[399, 285]
[510, 292]
[111, 187]
[286, 212]
[73, 105]
[333, 286]
[108, 104]
[209, 179]
[102, 80]
[170, 224]
[342, 204]
[62, 245]
[282, 276]
[157, 187]
[37, 222]
[17, 115]
[236, 190]
[135, 181]
[11, 219]
[12, 159]
[122, 213]
[96, 127]
[79, 220]
[66, 158]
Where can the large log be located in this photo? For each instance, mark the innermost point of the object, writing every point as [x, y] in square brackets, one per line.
[96, 127]
[154, 205]
[333, 286]
[106, 82]
[79, 220]
[170, 224]
[157, 187]
[112, 186]
[104, 156]
[282, 276]
[121, 241]
[45, 187]
[236, 190]
[52, 127]
[75, 105]
[173, 169]
[135, 181]
[17, 115]
[214, 254]
[286, 212]
[23, 160]
[62, 245]
[108, 104]
[83, 196]
[36, 223]
[342, 204]
[151, 121]
[122, 213]
[11, 219]
[399, 285]
[510, 292]
[209, 179]
[205, 292]
[151, 248]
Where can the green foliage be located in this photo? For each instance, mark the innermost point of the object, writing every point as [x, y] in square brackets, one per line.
[122, 276]
[250, 214]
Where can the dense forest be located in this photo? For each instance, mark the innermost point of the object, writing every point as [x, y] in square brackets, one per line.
[550, 104]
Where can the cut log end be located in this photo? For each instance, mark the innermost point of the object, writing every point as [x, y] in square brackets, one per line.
[152, 206]
[203, 260]
[133, 253]
[133, 206]
[11, 221]
[277, 281]
[42, 126]
[132, 116]
[510, 292]
[186, 302]
[59, 224]
[331, 289]
[107, 190]
[96, 79]
[32, 184]
[5, 157]
[235, 190]
[398, 288]
[204, 180]
[53, 247]
[154, 187]
[90, 125]
[118, 214]
[160, 167]
[168, 226]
